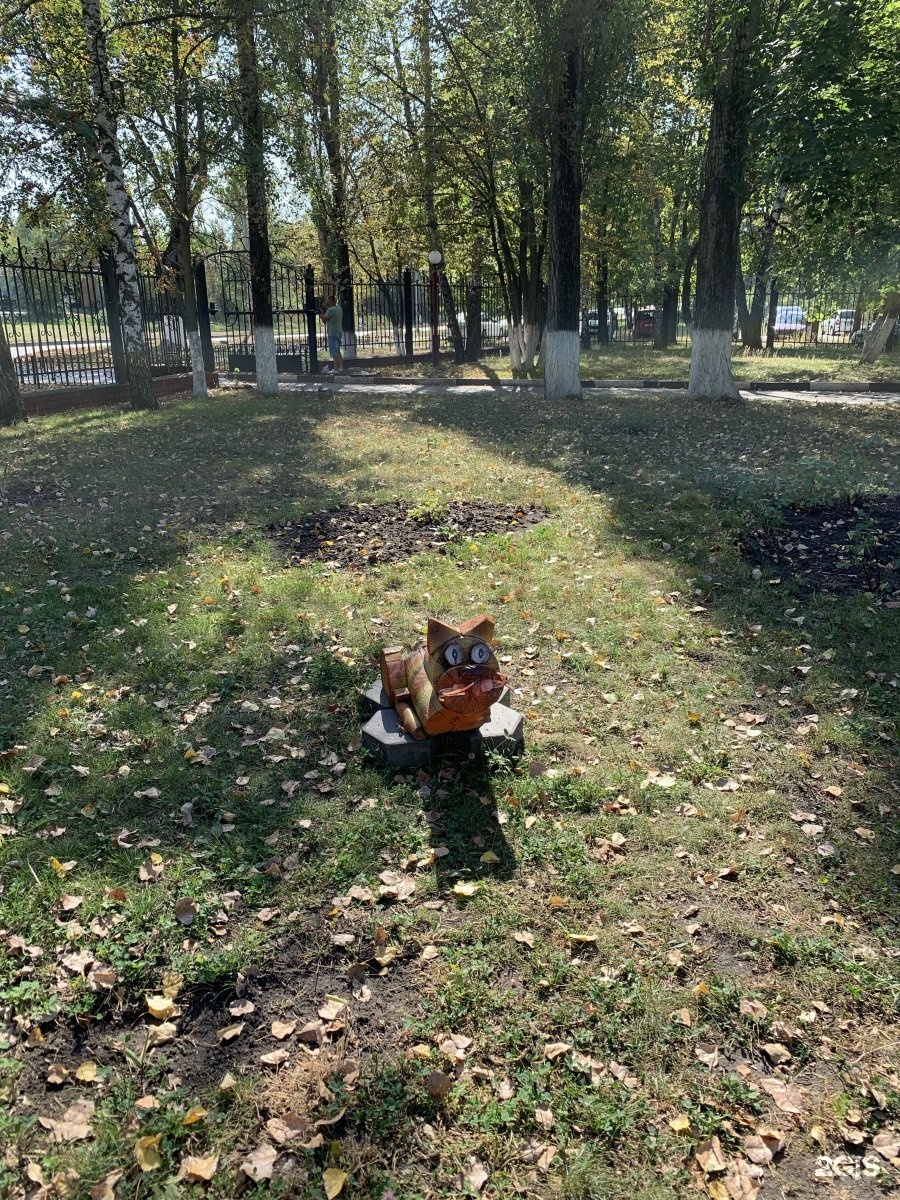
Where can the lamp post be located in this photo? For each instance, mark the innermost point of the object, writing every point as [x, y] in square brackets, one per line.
[435, 258]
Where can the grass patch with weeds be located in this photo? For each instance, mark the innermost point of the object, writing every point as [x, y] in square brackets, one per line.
[693, 864]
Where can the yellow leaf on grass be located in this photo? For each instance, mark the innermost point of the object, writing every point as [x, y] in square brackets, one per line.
[333, 1180]
[464, 889]
[681, 1123]
[194, 1114]
[194, 1168]
[86, 1072]
[489, 857]
[146, 1152]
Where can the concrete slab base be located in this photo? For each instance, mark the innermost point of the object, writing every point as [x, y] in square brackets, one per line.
[384, 734]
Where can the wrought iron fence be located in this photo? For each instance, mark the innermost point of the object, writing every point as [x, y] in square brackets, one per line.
[64, 330]
[783, 316]
[63, 325]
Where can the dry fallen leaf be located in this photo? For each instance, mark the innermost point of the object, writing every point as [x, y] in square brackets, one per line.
[159, 1035]
[186, 910]
[106, 1188]
[754, 1009]
[711, 1157]
[146, 1152]
[332, 1008]
[464, 889]
[682, 1017]
[776, 1053]
[231, 1031]
[275, 1058]
[241, 1008]
[283, 1029]
[194, 1169]
[477, 1175]
[743, 1180]
[86, 1071]
[707, 1054]
[73, 1125]
[556, 1049]
[194, 1114]
[333, 1180]
[259, 1163]
[57, 1073]
[887, 1144]
[787, 1096]
[162, 1007]
[525, 936]
[681, 1123]
[544, 1117]
[762, 1146]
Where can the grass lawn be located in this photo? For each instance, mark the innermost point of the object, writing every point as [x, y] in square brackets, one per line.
[674, 921]
[641, 361]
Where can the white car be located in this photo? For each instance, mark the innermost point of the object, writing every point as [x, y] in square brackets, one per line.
[789, 318]
[840, 324]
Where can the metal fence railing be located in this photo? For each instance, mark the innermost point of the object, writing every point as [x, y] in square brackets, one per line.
[63, 326]
[788, 316]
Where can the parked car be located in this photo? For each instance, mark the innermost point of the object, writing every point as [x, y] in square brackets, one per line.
[789, 319]
[841, 323]
[857, 338]
[645, 323]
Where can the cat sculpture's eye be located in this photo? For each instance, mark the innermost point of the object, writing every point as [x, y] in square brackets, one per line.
[453, 655]
[480, 653]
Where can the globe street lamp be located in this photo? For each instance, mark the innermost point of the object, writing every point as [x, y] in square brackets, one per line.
[435, 258]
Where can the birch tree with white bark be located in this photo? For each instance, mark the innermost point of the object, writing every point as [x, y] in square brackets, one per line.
[109, 158]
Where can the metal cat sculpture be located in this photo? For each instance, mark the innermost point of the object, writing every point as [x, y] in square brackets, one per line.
[449, 684]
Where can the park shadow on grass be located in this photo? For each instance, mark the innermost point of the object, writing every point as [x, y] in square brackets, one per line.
[192, 489]
[682, 502]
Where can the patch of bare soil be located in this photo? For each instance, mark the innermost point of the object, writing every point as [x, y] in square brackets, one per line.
[843, 548]
[292, 989]
[366, 535]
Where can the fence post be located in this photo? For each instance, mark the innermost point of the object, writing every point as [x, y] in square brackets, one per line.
[203, 325]
[408, 314]
[309, 279]
[113, 319]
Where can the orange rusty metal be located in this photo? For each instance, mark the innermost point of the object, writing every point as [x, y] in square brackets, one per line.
[450, 683]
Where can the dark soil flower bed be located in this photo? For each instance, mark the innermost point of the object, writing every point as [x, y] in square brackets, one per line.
[364, 535]
[849, 546]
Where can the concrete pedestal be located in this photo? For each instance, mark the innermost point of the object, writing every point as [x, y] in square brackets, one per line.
[384, 734]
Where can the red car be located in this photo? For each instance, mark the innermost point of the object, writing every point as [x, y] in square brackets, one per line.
[645, 323]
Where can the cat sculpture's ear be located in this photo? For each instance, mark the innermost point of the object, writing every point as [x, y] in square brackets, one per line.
[482, 627]
[439, 633]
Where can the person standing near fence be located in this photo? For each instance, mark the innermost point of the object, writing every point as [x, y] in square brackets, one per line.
[333, 316]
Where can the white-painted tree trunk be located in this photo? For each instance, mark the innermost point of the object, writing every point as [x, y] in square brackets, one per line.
[561, 353]
[348, 346]
[266, 364]
[875, 341]
[523, 347]
[711, 377]
[399, 345]
[107, 151]
[198, 367]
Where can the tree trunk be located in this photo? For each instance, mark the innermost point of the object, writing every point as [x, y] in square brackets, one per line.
[772, 316]
[753, 339]
[686, 284]
[881, 332]
[711, 376]
[11, 407]
[561, 350]
[603, 299]
[257, 213]
[183, 211]
[137, 357]
[740, 302]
